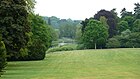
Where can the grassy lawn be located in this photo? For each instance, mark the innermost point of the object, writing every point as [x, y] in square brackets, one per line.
[79, 64]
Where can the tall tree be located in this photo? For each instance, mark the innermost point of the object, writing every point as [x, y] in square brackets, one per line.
[125, 13]
[137, 10]
[95, 35]
[111, 21]
[14, 25]
[114, 12]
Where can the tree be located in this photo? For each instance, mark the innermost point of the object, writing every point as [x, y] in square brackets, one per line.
[54, 22]
[84, 24]
[67, 30]
[136, 26]
[14, 25]
[95, 35]
[137, 10]
[78, 32]
[40, 39]
[30, 5]
[54, 33]
[123, 38]
[125, 13]
[113, 11]
[111, 21]
[129, 20]
[123, 25]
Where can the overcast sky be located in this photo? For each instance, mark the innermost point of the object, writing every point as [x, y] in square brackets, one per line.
[79, 9]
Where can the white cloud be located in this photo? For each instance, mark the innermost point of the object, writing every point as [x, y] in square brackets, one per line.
[80, 9]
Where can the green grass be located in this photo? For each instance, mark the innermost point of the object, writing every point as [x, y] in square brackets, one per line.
[79, 64]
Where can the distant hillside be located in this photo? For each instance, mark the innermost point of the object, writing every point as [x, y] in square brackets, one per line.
[57, 22]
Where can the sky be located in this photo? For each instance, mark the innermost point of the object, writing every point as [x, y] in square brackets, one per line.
[80, 9]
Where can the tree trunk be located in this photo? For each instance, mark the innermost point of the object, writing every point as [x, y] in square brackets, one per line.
[95, 45]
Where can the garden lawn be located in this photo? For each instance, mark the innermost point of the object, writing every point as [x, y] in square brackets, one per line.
[79, 64]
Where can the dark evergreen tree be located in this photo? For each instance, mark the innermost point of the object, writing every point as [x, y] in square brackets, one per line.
[84, 24]
[125, 13]
[137, 10]
[14, 25]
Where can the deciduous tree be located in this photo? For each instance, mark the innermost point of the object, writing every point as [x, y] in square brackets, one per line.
[95, 35]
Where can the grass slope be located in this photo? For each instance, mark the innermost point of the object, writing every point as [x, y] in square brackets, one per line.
[81, 64]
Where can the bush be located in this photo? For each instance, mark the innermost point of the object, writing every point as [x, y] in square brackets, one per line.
[36, 51]
[63, 48]
[133, 40]
[66, 40]
[80, 46]
[113, 43]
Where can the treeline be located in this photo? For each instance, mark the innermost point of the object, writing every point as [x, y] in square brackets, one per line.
[23, 35]
[107, 30]
[63, 27]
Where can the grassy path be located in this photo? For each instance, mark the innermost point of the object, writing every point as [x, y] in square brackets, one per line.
[82, 64]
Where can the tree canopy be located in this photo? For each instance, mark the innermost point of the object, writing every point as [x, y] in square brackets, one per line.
[95, 35]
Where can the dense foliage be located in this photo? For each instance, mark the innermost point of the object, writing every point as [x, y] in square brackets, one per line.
[95, 35]
[14, 28]
[67, 47]
[111, 21]
[65, 27]
[123, 31]
[40, 39]
[14, 25]
[113, 43]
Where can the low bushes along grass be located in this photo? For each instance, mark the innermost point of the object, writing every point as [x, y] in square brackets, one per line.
[67, 47]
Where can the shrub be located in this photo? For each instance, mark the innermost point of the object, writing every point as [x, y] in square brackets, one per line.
[113, 43]
[80, 46]
[36, 51]
[66, 40]
[63, 48]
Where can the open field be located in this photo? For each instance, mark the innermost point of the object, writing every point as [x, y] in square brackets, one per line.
[79, 64]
